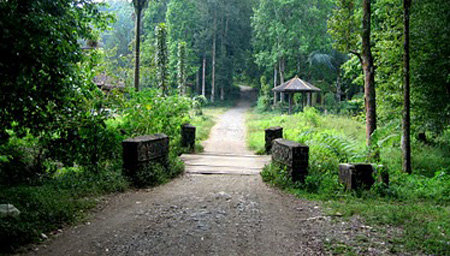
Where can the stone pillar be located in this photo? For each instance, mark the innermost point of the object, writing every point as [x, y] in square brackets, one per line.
[188, 136]
[293, 155]
[356, 176]
[141, 152]
[271, 134]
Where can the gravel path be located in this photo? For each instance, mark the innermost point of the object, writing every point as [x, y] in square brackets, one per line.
[228, 135]
[200, 215]
[196, 215]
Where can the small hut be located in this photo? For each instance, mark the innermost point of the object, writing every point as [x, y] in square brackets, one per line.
[295, 85]
[107, 83]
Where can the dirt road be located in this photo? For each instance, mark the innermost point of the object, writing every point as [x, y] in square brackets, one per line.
[200, 215]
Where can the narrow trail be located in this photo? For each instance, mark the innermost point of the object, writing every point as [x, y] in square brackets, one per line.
[228, 135]
[200, 214]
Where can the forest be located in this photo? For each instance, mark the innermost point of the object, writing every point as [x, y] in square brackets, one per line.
[80, 76]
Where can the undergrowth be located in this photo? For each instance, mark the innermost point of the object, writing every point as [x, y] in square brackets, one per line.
[418, 204]
[54, 203]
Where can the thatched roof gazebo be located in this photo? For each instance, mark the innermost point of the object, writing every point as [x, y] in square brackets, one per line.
[295, 85]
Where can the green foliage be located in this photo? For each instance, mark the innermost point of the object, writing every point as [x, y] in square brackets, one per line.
[44, 83]
[149, 112]
[286, 32]
[277, 175]
[51, 111]
[417, 204]
[183, 19]
[21, 160]
[429, 71]
[161, 57]
[430, 81]
[345, 25]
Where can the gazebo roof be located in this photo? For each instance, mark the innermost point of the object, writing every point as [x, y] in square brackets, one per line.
[296, 85]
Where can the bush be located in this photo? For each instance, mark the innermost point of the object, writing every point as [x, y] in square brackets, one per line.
[148, 112]
[21, 160]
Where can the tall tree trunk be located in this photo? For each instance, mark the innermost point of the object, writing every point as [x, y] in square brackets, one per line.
[338, 86]
[275, 76]
[369, 74]
[213, 78]
[204, 76]
[281, 71]
[137, 48]
[406, 139]
[224, 50]
[197, 82]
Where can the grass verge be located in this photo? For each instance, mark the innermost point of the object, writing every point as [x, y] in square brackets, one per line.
[53, 203]
[418, 205]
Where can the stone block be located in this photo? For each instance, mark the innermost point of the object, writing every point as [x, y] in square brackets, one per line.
[293, 155]
[188, 136]
[356, 176]
[142, 151]
[271, 134]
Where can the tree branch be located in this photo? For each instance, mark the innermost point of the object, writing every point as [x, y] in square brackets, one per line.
[357, 55]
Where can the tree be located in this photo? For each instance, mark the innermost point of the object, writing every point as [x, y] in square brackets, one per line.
[139, 6]
[406, 140]
[44, 69]
[343, 28]
[285, 33]
[161, 58]
[213, 59]
[182, 20]
[181, 68]
[369, 73]
[204, 76]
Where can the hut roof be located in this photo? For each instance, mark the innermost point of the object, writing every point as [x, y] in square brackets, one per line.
[107, 83]
[296, 85]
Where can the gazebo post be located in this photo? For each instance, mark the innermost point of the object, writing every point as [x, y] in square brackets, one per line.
[290, 103]
[303, 97]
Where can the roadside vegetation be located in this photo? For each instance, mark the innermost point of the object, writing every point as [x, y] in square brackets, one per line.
[417, 204]
[383, 100]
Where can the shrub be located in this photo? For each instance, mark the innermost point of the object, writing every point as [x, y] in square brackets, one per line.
[21, 160]
[148, 112]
